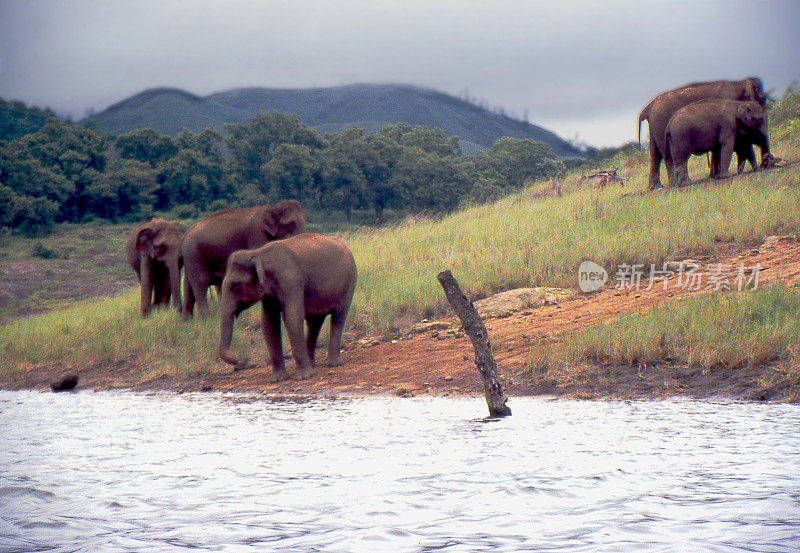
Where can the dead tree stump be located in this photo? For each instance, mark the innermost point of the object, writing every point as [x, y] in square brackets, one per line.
[476, 330]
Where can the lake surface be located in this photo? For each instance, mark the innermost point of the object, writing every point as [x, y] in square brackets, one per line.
[132, 472]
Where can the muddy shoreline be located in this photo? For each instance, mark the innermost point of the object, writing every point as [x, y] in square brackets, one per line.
[434, 359]
[360, 376]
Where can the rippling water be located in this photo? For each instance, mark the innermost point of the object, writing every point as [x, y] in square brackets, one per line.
[128, 472]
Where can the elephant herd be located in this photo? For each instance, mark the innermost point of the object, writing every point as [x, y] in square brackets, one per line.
[251, 254]
[720, 117]
[264, 254]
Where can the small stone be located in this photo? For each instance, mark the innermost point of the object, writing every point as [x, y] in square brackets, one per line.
[426, 326]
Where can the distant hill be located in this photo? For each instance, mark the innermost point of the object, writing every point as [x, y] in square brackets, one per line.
[372, 107]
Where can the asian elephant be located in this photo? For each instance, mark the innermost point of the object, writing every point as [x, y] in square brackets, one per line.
[661, 108]
[305, 277]
[208, 244]
[153, 251]
[715, 126]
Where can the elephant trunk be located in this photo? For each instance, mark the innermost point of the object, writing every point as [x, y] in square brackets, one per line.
[146, 283]
[226, 335]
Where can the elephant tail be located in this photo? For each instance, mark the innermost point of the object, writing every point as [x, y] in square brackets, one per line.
[667, 146]
[643, 116]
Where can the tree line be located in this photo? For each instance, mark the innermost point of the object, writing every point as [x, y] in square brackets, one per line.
[54, 171]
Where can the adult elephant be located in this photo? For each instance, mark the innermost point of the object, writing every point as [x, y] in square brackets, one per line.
[208, 244]
[658, 112]
[717, 126]
[153, 251]
[305, 277]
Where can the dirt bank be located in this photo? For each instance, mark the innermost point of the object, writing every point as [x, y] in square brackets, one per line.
[438, 360]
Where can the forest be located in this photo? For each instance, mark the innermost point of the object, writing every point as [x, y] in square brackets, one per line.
[54, 171]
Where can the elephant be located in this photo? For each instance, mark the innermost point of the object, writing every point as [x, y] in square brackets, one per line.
[305, 277]
[153, 251]
[658, 112]
[208, 244]
[715, 126]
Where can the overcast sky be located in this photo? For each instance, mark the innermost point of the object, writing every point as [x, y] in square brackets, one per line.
[582, 67]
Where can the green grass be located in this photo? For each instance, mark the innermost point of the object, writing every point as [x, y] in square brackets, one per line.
[750, 328]
[530, 238]
[112, 331]
[755, 328]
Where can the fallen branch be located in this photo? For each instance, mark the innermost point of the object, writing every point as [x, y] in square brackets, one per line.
[476, 330]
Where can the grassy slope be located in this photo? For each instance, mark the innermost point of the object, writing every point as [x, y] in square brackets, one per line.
[529, 238]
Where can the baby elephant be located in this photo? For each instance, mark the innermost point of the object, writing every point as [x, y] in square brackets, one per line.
[716, 126]
[307, 277]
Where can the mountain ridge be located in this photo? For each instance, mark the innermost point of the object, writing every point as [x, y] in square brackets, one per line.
[326, 109]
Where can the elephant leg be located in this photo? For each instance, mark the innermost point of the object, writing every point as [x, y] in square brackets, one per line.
[680, 173]
[271, 327]
[293, 317]
[314, 323]
[335, 340]
[166, 293]
[161, 288]
[714, 169]
[200, 292]
[188, 298]
[174, 279]
[669, 166]
[725, 156]
[655, 166]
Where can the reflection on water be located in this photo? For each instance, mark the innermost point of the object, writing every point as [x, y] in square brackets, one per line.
[127, 472]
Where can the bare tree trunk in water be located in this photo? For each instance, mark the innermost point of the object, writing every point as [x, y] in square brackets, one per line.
[476, 330]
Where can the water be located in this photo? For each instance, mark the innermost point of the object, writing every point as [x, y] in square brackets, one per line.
[127, 472]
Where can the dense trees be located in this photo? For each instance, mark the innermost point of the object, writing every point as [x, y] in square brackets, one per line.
[52, 171]
[17, 120]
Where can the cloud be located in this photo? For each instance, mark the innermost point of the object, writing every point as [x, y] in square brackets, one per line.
[561, 62]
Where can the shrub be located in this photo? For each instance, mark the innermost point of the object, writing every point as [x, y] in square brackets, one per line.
[185, 211]
[40, 250]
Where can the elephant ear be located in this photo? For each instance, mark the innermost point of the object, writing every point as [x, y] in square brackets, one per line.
[144, 240]
[755, 91]
[284, 219]
[246, 265]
